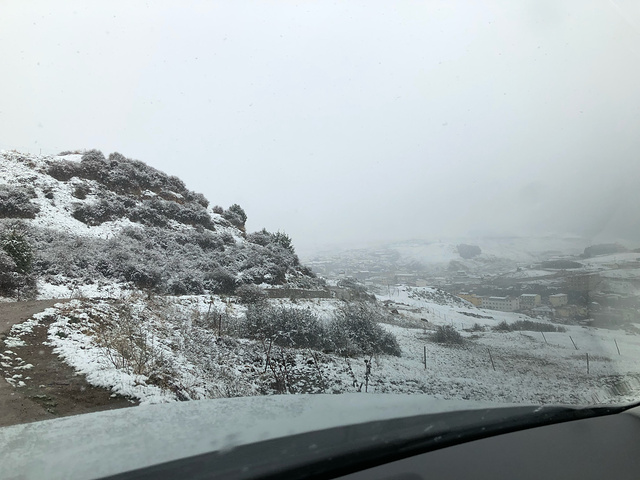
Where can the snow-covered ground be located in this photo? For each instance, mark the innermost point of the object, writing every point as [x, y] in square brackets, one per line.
[612, 259]
[529, 366]
[191, 357]
[529, 274]
[623, 274]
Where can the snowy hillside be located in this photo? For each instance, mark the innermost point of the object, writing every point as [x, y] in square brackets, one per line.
[89, 220]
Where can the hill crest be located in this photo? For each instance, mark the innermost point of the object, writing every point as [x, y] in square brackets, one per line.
[89, 217]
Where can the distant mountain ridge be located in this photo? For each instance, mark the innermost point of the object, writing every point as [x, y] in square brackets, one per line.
[89, 218]
[482, 255]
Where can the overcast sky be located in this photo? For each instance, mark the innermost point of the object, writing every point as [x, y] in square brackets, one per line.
[347, 121]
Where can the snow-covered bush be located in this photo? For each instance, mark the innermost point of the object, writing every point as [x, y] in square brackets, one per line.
[150, 213]
[15, 202]
[8, 274]
[207, 240]
[104, 210]
[262, 237]
[236, 215]
[194, 213]
[200, 199]
[81, 191]
[448, 335]
[528, 325]
[264, 264]
[220, 280]
[250, 294]
[122, 178]
[14, 242]
[16, 258]
[283, 240]
[125, 176]
[142, 276]
[355, 331]
[63, 170]
[155, 212]
[284, 326]
[187, 284]
[165, 260]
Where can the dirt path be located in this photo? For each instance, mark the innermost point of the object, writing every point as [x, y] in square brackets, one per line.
[17, 312]
[50, 388]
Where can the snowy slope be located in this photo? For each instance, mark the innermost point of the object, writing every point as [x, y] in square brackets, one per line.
[93, 222]
[55, 212]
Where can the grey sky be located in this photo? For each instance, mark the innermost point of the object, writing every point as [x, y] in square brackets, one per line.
[347, 121]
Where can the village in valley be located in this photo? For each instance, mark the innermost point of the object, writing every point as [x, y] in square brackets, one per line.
[596, 286]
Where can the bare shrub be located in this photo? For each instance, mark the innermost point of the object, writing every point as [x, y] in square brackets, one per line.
[126, 343]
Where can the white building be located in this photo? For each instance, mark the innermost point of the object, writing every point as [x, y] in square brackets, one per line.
[530, 300]
[504, 304]
[558, 300]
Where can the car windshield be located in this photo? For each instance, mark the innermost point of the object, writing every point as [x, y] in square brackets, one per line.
[211, 200]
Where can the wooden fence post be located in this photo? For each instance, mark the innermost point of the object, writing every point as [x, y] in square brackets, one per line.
[574, 343]
[491, 358]
[424, 357]
[587, 363]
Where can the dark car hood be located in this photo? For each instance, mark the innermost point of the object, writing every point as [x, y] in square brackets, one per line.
[105, 443]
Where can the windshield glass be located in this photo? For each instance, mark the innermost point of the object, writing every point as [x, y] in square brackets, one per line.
[208, 200]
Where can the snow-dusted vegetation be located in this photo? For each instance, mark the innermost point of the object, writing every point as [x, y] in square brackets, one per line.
[181, 348]
[90, 220]
[165, 348]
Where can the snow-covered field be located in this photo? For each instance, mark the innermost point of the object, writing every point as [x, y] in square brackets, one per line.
[612, 259]
[529, 274]
[187, 355]
[529, 366]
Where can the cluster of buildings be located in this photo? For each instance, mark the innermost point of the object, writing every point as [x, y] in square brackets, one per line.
[526, 301]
